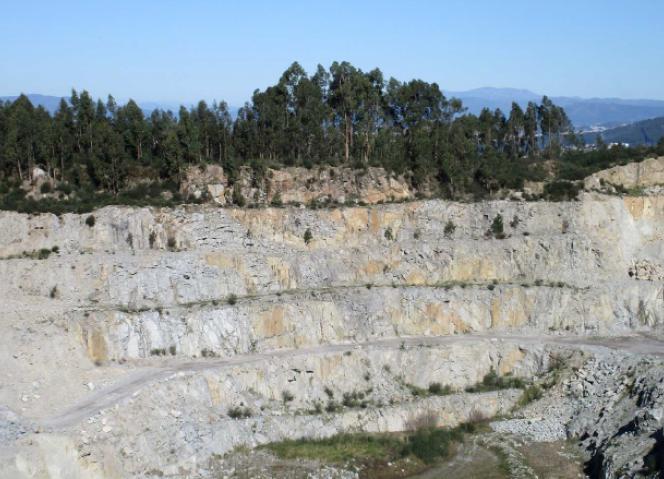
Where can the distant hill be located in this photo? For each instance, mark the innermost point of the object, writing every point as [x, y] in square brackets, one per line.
[584, 112]
[646, 132]
[50, 103]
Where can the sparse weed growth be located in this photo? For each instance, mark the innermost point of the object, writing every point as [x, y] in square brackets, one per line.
[493, 382]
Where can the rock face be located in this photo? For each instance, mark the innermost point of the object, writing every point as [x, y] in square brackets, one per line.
[648, 173]
[153, 340]
[297, 185]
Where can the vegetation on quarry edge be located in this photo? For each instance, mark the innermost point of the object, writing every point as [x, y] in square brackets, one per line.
[96, 154]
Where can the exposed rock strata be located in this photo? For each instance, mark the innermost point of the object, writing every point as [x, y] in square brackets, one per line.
[159, 299]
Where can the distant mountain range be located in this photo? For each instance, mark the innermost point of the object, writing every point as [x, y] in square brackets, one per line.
[584, 112]
[51, 103]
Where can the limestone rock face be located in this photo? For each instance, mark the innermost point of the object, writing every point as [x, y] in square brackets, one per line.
[141, 343]
[648, 173]
[296, 185]
[208, 182]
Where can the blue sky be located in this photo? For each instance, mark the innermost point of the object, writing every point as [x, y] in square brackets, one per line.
[167, 50]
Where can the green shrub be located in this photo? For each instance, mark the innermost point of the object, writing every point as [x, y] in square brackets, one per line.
[493, 382]
[287, 396]
[44, 253]
[430, 444]
[439, 390]
[239, 412]
[232, 299]
[90, 221]
[171, 243]
[497, 228]
[308, 236]
[450, 228]
[562, 190]
[64, 188]
[45, 188]
[389, 236]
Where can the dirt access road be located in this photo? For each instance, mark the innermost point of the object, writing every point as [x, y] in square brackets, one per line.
[107, 397]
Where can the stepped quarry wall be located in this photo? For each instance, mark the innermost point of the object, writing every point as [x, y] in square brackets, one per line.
[158, 322]
[231, 281]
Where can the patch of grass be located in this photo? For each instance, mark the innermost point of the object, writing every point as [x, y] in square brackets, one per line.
[42, 253]
[339, 449]
[416, 390]
[425, 445]
[232, 299]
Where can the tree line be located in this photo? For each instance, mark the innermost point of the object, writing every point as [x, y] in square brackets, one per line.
[340, 116]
